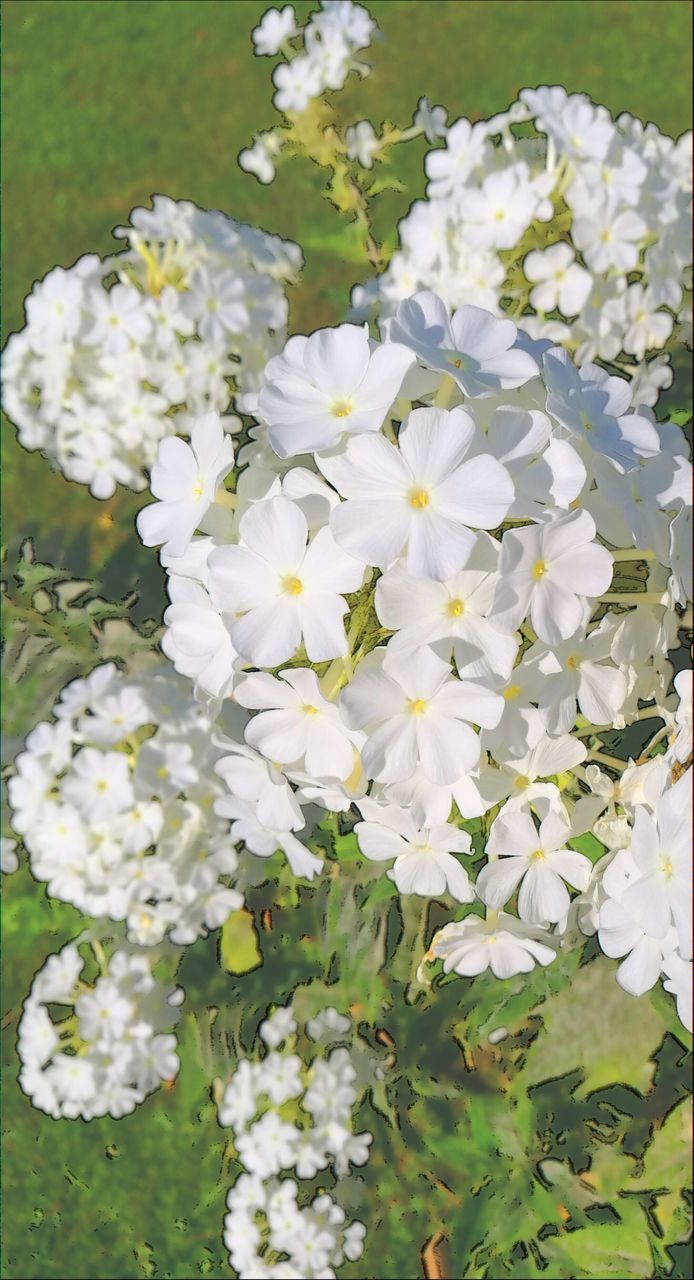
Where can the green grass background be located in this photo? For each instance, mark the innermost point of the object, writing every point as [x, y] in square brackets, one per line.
[105, 102]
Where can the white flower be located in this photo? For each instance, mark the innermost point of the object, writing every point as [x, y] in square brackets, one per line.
[424, 862]
[296, 82]
[251, 778]
[279, 1077]
[500, 943]
[99, 784]
[362, 143]
[297, 723]
[559, 280]
[275, 29]
[538, 861]
[473, 347]
[335, 382]
[420, 499]
[119, 319]
[285, 591]
[648, 327]
[592, 407]
[610, 238]
[449, 168]
[449, 615]
[278, 1027]
[197, 638]
[94, 462]
[185, 478]
[414, 713]
[431, 120]
[9, 860]
[546, 572]
[268, 1146]
[577, 670]
[661, 849]
[679, 982]
[258, 159]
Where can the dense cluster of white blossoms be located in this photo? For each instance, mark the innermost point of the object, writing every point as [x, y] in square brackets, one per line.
[114, 800]
[576, 224]
[462, 494]
[318, 57]
[112, 1047]
[119, 352]
[292, 1117]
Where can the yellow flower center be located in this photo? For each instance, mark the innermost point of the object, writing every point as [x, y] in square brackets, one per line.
[539, 569]
[572, 662]
[309, 710]
[102, 785]
[455, 608]
[510, 694]
[292, 586]
[417, 706]
[162, 772]
[419, 499]
[198, 487]
[342, 408]
[522, 782]
[667, 868]
[537, 856]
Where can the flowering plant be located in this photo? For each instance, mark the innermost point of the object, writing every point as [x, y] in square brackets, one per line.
[414, 778]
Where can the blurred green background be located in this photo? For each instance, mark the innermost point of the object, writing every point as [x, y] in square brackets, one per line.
[104, 103]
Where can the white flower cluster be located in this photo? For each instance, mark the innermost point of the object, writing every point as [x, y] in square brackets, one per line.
[114, 801]
[641, 895]
[451, 489]
[110, 1050]
[118, 353]
[319, 57]
[579, 228]
[638, 897]
[293, 1113]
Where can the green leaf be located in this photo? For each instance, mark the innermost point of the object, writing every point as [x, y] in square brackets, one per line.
[592, 1021]
[589, 845]
[667, 1172]
[239, 947]
[620, 1249]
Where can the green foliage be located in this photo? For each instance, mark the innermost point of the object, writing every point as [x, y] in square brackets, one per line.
[56, 628]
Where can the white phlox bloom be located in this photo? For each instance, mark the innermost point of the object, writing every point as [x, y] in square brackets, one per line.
[546, 572]
[500, 943]
[276, 27]
[424, 862]
[577, 671]
[281, 591]
[415, 713]
[128, 832]
[420, 500]
[621, 930]
[268, 1209]
[103, 371]
[297, 723]
[534, 862]
[185, 479]
[118, 1047]
[451, 616]
[474, 348]
[606, 278]
[337, 382]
